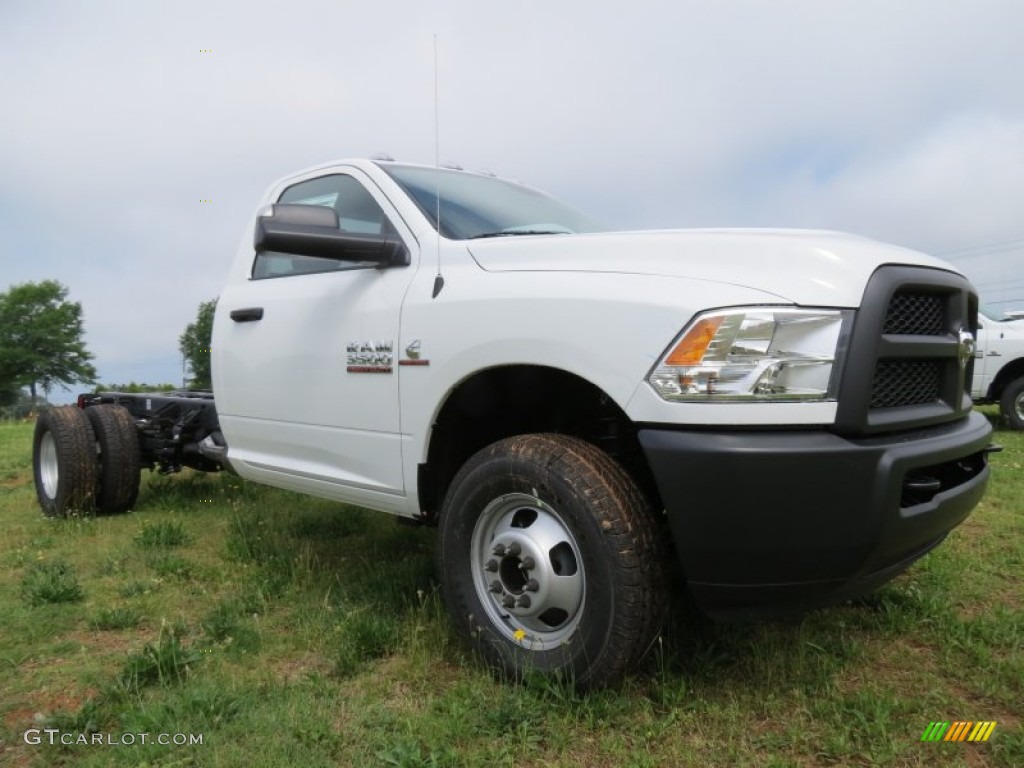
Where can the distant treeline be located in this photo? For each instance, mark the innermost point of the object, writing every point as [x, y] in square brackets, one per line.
[133, 387]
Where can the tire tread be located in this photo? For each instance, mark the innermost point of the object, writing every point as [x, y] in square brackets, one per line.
[633, 538]
[75, 445]
[120, 462]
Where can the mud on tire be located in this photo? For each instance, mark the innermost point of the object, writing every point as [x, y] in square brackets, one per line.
[551, 560]
[64, 462]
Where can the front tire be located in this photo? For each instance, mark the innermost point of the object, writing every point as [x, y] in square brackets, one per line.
[1012, 404]
[64, 462]
[550, 560]
[120, 462]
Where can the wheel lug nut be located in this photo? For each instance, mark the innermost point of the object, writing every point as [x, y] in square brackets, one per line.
[495, 587]
[508, 601]
[492, 566]
[528, 563]
[532, 585]
[524, 601]
[499, 550]
[513, 549]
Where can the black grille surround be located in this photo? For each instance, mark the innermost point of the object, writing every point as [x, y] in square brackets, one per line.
[903, 367]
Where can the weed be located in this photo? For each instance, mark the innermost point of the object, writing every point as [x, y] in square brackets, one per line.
[136, 588]
[331, 521]
[114, 618]
[87, 719]
[166, 663]
[670, 688]
[256, 597]
[226, 626]
[50, 583]
[365, 635]
[410, 754]
[200, 709]
[254, 537]
[163, 534]
[168, 565]
[114, 566]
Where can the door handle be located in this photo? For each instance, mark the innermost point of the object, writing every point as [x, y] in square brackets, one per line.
[247, 315]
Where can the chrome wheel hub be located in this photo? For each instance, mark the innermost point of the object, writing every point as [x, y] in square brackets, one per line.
[48, 469]
[527, 571]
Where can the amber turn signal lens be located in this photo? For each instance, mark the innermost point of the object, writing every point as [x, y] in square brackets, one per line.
[691, 348]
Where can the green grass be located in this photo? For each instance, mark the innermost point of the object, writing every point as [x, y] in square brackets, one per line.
[50, 583]
[292, 631]
[163, 534]
[120, 617]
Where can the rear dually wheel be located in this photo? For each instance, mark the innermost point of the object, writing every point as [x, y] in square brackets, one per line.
[64, 462]
[120, 463]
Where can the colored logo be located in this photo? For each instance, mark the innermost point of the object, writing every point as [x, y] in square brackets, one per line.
[959, 730]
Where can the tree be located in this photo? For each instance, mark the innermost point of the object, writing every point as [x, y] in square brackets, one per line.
[133, 387]
[194, 344]
[41, 339]
[9, 394]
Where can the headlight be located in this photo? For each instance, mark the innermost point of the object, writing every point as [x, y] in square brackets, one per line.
[753, 354]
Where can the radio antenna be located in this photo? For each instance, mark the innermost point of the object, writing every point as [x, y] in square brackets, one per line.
[439, 278]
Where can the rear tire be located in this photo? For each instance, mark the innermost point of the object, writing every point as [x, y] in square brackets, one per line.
[120, 462]
[1012, 404]
[551, 561]
[64, 462]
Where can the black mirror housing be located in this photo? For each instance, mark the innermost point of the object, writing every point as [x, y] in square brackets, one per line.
[312, 230]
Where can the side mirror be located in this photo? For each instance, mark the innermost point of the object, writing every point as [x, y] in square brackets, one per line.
[312, 230]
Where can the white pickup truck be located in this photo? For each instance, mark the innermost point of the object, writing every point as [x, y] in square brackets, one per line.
[784, 413]
[999, 367]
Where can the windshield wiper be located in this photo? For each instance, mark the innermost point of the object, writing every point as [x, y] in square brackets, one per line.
[513, 231]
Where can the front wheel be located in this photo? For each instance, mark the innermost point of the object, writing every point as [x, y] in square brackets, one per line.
[1012, 404]
[550, 560]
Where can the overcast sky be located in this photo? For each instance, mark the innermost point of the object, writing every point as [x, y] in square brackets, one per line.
[902, 120]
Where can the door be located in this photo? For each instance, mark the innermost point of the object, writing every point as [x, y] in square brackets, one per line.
[308, 385]
[984, 368]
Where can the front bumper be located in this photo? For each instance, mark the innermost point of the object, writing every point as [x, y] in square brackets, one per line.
[773, 522]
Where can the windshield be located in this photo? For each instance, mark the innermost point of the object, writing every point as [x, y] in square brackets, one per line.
[996, 315]
[474, 206]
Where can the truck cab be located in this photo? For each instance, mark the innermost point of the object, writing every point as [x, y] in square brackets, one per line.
[784, 414]
[999, 365]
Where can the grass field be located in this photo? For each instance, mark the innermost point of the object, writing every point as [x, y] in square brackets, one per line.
[284, 630]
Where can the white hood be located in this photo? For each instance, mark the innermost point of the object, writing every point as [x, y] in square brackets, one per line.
[799, 266]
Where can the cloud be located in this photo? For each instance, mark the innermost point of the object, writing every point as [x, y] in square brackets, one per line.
[898, 120]
[948, 189]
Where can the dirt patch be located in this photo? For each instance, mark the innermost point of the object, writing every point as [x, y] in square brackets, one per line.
[291, 670]
[46, 701]
[113, 643]
[15, 480]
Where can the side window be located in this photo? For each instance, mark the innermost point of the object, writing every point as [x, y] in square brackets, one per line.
[357, 212]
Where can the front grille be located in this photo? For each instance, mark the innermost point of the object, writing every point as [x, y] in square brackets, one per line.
[903, 366]
[919, 314]
[900, 383]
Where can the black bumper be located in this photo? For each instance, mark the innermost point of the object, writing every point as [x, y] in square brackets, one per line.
[772, 522]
